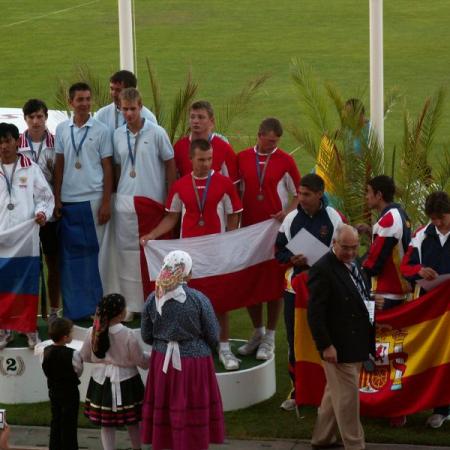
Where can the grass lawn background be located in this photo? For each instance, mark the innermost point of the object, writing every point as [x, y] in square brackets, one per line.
[226, 43]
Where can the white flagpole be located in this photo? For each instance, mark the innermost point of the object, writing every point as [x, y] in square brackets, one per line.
[376, 69]
[126, 35]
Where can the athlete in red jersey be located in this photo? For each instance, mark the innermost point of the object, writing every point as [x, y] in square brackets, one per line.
[201, 120]
[269, 183]
[391, 235]
[207, 203]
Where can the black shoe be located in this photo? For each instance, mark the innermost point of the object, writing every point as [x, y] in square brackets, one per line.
[334, 445]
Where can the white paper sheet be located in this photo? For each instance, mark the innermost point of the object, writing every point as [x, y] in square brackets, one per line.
[304, 243]
[428, 285]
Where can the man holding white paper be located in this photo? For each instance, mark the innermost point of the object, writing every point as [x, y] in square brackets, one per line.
[428, 257]
[317, 222]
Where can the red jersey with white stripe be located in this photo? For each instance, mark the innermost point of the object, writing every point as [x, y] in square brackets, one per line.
[45, 158]
[390, 239]
[281, 180]
[221, 199]
[224, 159]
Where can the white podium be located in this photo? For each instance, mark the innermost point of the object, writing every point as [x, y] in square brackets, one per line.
[22, 379]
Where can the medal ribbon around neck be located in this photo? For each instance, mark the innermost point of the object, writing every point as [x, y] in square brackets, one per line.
[262, 175]
[78, 149]
[35, 155]
[132, 152]
[201, 202]
[9, 182]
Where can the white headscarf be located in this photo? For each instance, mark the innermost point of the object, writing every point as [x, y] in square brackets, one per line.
[176, 267]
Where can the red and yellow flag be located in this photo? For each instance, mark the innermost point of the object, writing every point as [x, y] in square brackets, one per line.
[411, 369]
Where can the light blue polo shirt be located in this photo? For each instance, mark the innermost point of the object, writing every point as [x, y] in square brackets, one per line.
[152, 151]
[86, 183]
[107, 115]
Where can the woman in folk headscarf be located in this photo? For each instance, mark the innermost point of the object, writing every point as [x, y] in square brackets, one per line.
[115, 393]
[182, 407]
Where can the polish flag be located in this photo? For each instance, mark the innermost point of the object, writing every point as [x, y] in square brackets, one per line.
[234, 269]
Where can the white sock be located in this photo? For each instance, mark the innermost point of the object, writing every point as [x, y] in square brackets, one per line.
[135, 436]
[270, 334]
[224, 346]
[261, 331]
[108, 436]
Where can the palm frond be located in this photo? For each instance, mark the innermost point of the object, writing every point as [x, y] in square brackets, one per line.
[432, 119]
[373, 155]
[305, 140]
[239, 104]
[156, 105]
[311, 96]
[442, 176]
[99, 89]
[416, 178]
[336, 97]
[390, 100]
[183, 99]
[62, 95]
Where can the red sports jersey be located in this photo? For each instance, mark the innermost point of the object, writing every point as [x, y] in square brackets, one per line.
[221, 200]
[224, 158]
[390, 238]
[281, 179]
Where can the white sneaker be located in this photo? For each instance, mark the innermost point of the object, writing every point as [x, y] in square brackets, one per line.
[289, 404]
[6, 336]
[251, 345]
[436, 420]
[266, 349]
[229, 360]
[33, 339]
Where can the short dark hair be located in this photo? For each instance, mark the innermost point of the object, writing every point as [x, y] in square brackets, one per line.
[356, 104]
[385, 185]
[437, 203]
[80, 86]
[200, 144]
[8, 130]
[58, 328]
[34, 105]
[271, 124]
[203, 104]
[313, 182]
[127, 78]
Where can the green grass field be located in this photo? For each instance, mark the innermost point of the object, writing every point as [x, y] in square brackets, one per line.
[226, 43]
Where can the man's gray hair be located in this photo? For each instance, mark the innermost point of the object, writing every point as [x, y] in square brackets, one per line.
[342, 228]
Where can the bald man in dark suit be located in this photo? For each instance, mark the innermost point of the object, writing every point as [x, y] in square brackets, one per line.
[340, 315]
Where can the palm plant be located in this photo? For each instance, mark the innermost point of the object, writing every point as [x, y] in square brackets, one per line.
[416, 174]
[348, 154]
[175, 118]
[99, 89]
[335, 132]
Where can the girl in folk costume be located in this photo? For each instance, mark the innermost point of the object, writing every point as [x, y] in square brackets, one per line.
[115, 393]
[182, 406]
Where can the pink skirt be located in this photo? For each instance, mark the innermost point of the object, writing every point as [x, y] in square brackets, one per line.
[182, 410]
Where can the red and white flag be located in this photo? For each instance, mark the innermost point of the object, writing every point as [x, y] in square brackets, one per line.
[234, 269]
[122, 262]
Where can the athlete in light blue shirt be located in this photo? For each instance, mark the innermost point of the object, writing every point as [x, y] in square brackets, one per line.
[111, 115]
[83, 188]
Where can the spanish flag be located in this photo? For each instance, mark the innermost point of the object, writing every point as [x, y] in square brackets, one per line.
[411, 369]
